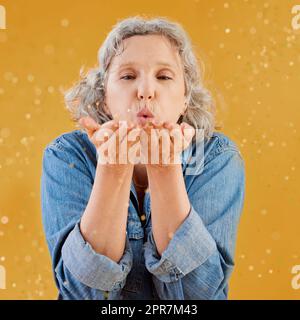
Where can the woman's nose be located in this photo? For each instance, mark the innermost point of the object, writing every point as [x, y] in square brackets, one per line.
[145, 90]
[147, 97]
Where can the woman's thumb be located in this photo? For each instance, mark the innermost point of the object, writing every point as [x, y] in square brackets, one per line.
[89, 123]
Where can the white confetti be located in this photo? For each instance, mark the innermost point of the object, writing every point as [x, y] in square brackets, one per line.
[4, 219]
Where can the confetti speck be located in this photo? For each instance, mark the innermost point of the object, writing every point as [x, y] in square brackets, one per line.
[275, 235]
[27, 258]
[24, 141]
[37, 91]
[30, 78]
[263, 212]
[49, 49]
[64, 23]
[37, 101]
[50, 89]
[4, 219]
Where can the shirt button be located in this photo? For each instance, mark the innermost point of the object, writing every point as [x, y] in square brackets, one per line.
[167, 264]
[106, 295]
[143, 217]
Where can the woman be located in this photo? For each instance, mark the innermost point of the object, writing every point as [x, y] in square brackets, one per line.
[107, 240]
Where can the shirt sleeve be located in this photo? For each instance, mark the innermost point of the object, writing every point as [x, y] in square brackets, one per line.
[199, 258]
[79, 271]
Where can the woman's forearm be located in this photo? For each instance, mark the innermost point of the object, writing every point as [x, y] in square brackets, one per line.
[169, 202]
[104, 221]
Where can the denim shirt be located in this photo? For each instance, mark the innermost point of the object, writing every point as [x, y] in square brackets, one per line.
[199, 258]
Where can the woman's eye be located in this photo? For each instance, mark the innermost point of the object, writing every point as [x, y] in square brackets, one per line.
[127, 77]
[165, 78]
[130, 77]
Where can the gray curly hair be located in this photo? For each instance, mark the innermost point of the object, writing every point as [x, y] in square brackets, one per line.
[86, 97]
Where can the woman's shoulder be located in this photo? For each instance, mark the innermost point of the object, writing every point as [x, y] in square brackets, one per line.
[203, 151]
[211, 155]
[69, 140]
[219, 143]
[73, 144]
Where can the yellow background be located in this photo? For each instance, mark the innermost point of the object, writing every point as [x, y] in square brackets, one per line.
[252, 65]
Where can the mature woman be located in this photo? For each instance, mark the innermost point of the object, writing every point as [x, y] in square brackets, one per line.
[142, 229]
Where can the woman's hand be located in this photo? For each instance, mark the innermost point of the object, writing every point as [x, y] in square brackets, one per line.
[113, 140]
[166, 143]
[161, 143]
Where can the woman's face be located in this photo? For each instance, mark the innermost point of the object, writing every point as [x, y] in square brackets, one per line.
[147, 75]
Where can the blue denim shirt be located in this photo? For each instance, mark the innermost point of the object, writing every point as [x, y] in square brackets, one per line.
[199, 259]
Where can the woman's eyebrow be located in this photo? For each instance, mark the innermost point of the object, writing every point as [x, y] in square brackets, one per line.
[159, 63]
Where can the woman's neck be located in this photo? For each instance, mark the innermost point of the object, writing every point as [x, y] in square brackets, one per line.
[140, 178]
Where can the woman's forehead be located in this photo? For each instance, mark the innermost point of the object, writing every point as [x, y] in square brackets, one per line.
[151, 50]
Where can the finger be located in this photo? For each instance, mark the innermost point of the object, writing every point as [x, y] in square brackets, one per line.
[126, 130]
[153, 147]
[168, 125]
[157, 123]
[145, 146]
[178, 142]
[106, 130]
[89, 124]
[165, 144]
[188, 133]
[177, 135]
[111, 124]
[187, 130]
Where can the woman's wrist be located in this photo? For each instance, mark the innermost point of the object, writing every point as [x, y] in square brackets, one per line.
[117, 169]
